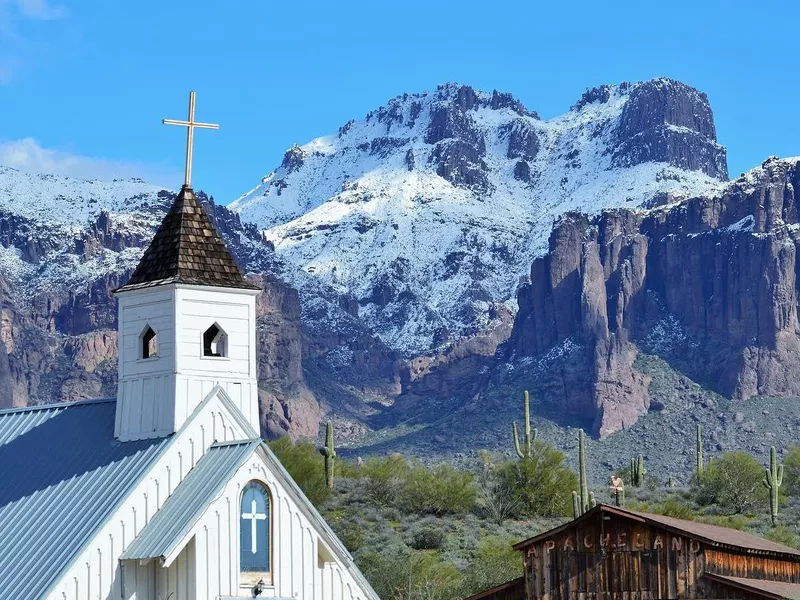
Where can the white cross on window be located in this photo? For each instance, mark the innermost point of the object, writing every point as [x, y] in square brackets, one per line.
[254, 517]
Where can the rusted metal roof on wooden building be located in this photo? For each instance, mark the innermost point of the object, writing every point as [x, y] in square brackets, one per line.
[777, 590]
[710, 534]
[510, 590]
[187, 249]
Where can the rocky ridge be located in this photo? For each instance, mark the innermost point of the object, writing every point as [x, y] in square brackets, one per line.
[58, 318]
[708, 284]
[460, 240]
[429, 209]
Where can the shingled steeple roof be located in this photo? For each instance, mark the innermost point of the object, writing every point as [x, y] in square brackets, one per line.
[187, 249]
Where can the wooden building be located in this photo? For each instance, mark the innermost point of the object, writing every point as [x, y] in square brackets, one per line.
[613, 553]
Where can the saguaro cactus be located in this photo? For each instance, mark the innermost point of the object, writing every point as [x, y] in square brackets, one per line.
[638, 471]
[524, 451]
[329, 452]
[619, 497]
[585, 500]
[576, 505]
[699, 467]
[582, 465]
[773, 478]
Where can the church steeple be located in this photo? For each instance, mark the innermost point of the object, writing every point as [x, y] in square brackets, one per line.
[187, 323]
[187, 249]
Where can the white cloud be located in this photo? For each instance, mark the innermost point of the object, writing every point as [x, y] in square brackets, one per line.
[27, 155]
[35, 9]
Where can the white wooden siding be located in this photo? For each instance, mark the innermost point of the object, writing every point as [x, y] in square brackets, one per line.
[95, 575]
[298, 567]
[156, 395]
[208, 566]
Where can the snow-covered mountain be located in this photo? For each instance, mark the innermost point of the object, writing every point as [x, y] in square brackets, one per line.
[48, 224]
[431, 208]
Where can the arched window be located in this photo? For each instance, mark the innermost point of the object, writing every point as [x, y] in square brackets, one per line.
[148, 343]
[215, 341]
[254, 529]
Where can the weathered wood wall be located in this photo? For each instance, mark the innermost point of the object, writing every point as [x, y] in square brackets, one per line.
[612, 557]
[754, 567]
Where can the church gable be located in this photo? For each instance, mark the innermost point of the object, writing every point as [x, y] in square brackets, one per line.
[253, 530]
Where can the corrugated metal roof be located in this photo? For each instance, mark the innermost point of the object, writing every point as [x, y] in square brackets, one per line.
[719, 535]
[713, 534]
[62, 474]
[186, 504]
[769, 589]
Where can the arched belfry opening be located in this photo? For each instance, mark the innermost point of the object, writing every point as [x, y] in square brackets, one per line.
[215, 341]
[148, 343]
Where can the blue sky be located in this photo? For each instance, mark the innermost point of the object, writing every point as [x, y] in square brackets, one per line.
[84, 85]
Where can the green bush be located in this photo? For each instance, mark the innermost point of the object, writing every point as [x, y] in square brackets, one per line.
[791, 471]
[732, 521]
[783, 535]
[351, 533]
[427, 538]
[673, 506]
[382, 478]
[494, 562]
[733, 482]
[439, 490]
[542, 484]
[306, 467]
[403, 574]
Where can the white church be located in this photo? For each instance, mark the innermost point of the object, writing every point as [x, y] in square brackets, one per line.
[167, 491]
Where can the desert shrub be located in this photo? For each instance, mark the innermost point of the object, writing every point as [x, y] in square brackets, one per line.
[494, 562]
[439, 490]
[351, 533]
[733, 482]
[791, 471]
[403, 574]
[673, 506]
[382, 478]
[390, 513]
[542, 484]
[427, 538]
[733, 521]
[347, 469]
[783, 535]
[497, 498]
[305, 465]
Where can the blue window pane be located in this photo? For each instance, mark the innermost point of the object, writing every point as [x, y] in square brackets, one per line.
[254, 529]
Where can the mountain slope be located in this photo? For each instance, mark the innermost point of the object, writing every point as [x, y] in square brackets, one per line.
[430, 209]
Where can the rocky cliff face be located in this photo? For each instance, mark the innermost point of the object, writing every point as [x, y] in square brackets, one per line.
[708, 284]
[428, 210]
[668, 121]
[390, 257]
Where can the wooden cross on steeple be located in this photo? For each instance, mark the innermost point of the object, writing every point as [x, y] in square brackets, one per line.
[190, 124]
